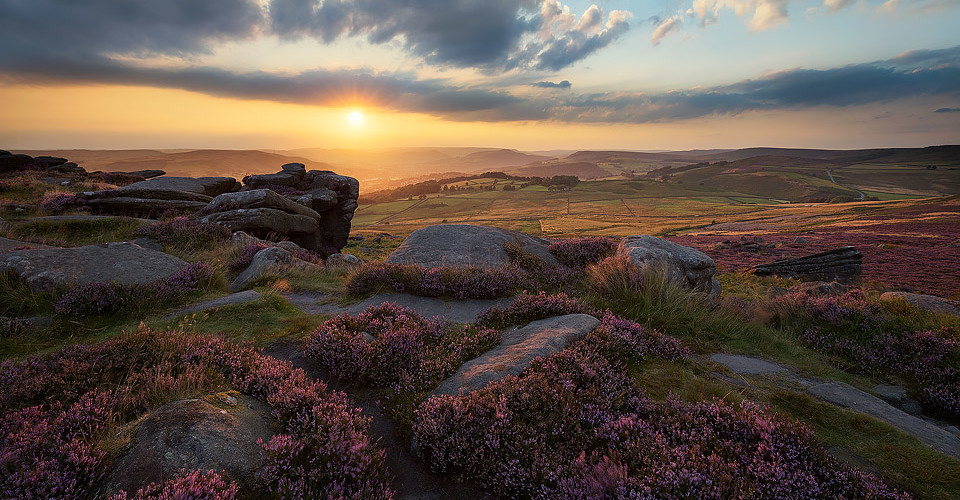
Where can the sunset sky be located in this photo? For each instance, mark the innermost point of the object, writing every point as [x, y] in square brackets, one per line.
[529, 74]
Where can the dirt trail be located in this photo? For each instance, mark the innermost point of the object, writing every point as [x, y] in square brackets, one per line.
[412, 478]
[830, 174]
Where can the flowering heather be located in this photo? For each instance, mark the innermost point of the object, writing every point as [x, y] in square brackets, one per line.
[195, 485]
[576, 426]
[103, 297]
[245, 256]
[391, 346]
[186, 234]
[579, 252]
[50, 450]
[857, 330]
[459, 283]
[59, 202]
[527, 308]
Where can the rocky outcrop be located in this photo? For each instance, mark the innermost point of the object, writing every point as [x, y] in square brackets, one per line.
[11, 162]
[46, 269]
[930, 303]
[518, 349]
[686, 266]
[843, 265]
[465, 245]
[312, 209]
[194, 434]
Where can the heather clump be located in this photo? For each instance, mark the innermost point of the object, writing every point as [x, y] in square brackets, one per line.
[576, 426]
[538, 274]
[529, 307]
[186, 234]
[102, 297]
[51, 450]
[194, 485]
[859, 331]
[61, 202]
[244, 256]
[580, 252]
[392, 347]
[459, 283]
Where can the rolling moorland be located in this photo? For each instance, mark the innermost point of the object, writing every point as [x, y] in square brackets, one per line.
[778, 387]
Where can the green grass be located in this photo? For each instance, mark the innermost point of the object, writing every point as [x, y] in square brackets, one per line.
[261, 322]
[68, 233]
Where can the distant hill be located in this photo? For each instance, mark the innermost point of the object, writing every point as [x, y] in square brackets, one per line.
[583, 170]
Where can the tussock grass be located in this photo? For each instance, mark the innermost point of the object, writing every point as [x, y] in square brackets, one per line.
[261, 322]
[18, 299]
[648, 296]
[68, 233]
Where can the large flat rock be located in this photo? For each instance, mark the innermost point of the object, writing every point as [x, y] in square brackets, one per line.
[263, 221]
[194, 434]
[258, 198]
[747, 365]
[465, 245]
[847, 396]
[7, 245]
[518, 349]
[209, 186]
[458, 311]
[48, 268]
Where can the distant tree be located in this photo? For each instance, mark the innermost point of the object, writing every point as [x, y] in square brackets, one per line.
[509, 187]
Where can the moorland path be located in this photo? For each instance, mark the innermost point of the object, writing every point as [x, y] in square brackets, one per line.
[411, 478]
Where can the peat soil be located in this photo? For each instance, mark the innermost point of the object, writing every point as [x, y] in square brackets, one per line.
[411, 477]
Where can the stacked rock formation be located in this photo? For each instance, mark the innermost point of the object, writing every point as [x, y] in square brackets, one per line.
[842, 264]
[315, 210]
[160, 195]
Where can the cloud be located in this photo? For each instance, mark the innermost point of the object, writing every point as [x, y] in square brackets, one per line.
[861, 84]
[764, 14]
[664, 28]
[833, 6]
[565, 84]
[395, 92]
[494, 35]
[948, 110]
[72, 29]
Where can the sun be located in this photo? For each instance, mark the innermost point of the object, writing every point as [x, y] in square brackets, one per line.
[356, 119]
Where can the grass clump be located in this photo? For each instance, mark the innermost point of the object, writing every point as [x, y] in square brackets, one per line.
[68, 233]
[186, 235]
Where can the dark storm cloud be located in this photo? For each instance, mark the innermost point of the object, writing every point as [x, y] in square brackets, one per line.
[318, 87]
[565, 84]
[78, 29]
[494, 35]
[947, 110]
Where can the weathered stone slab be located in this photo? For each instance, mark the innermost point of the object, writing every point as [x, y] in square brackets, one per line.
[48, 268]
[518, 349]
[258, 198]
[264, 221]
[842, 264]
[194, 434]
[747, 365]
[684, 265]
[465, 245]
